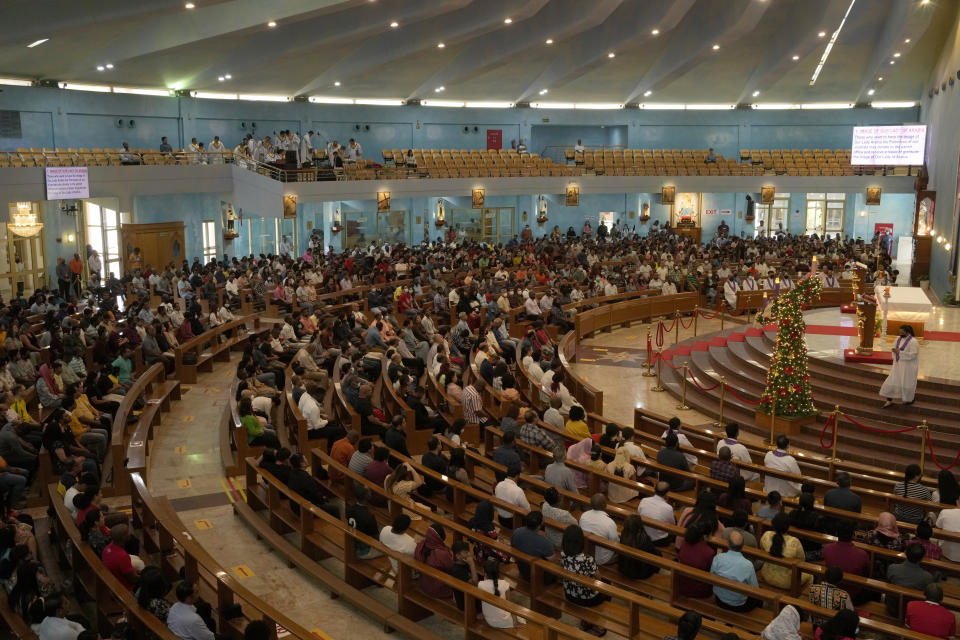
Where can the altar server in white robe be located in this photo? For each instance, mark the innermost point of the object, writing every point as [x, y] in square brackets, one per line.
[901, 384]
[781, 460]
[730, 288]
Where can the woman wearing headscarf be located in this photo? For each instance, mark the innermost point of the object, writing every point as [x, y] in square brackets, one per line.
[580, 453]
[887, 535]
[786, 626]
[48, 392]
[482, 523]
[432, 550]
[623, 468]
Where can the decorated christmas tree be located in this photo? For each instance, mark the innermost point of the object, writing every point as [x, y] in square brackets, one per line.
[788, 383]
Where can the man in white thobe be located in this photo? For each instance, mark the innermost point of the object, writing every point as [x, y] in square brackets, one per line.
[216, 151]
[780, 460]
[901, 384]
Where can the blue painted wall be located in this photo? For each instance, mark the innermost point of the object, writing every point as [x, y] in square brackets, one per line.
[192, 208]
[84, 119]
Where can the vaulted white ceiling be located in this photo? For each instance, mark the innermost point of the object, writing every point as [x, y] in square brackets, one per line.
[708, 51]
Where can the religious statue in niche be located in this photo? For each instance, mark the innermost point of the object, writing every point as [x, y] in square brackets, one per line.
[441, 220]
[645, 212]
[176, 248]
[542, 217]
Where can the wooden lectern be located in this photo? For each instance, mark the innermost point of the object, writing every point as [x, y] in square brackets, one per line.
[866, 311]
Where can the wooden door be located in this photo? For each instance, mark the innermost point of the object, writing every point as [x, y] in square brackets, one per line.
[160, 243]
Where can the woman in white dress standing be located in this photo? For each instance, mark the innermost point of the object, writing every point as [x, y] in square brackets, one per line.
[902, 382]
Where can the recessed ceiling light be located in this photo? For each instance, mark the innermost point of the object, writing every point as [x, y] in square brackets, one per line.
[896, 55]
[99, 67]
[893, 62]
[796, 57]
[655, 32]
[220, 79]
[871, 92]
[227, 76]
[880, 79]
[611, 55]
[756, 93]
[543, 92]
[924, 1]
[271, 24]
[647, 93]
[715, 47]
[507, 20]
[108, 66]
[394, 24]
[189, 5]
[37, 43]
[821, 34]
[439, 89]
[907, 41]
[549, 40]
[440, 45]
[337, 83]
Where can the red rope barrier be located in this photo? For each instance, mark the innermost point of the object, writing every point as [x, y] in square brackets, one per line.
[688, 325]
[706, 317]
[660, 335]
[694, 380]
[934, 457]
[739, 397]
[742, 311]
[875, 430]
[670, 365]
[830, 420]
[672, 325]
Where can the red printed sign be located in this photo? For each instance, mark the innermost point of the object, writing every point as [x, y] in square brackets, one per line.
[494, 138]
[885, 228]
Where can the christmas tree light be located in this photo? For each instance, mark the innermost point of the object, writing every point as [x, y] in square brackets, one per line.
[788, 383]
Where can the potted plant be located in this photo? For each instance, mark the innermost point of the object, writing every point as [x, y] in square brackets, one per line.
[925, 281]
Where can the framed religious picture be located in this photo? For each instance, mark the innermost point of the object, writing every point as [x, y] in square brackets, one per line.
[573, 196]
[766, 195]
[290, 206]
[686, 210]
[667, 195]
[383, 201]
[873, 195]
[478, 198]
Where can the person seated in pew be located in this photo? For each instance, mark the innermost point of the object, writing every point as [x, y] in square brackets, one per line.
[434, 460]
[735, 497]
[688, 626]
[930, 616]
[62, 446]
[510, 492]
[464, 568]
[622, 467]
[50, 393]
[361, 457]
[259, 431]
[341, 452]
[670, 456]
[781, 460]
[276, 462]
[506, 454]
[377, 472]
[483, 525]
[732, 565]
[597, 521]
[373, 421]
[117, 560]
[433, 551]
[360, 517]
[828, 594]
[779, 544]
[574, 559]
[89, 431]
[494, 616]
[634, 535]
[722, 468]
[886, 535]
[425, 416]
[674, 426]
[308, 487]
[843, 626]
[395, 537]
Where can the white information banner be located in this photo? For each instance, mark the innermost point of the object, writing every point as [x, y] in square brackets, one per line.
[888, 145]
[67, 183]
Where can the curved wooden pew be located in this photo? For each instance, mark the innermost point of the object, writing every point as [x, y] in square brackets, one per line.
[166, 535]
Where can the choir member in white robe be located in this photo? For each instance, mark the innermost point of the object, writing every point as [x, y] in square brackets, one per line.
[901, 384]
[216, 151]
[749, 283]
[780, 460]
[730, 288]
[770, 282]
[306, 148]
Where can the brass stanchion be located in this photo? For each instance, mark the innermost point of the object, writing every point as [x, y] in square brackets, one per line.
[676, 335]
[696, 312]
[773, 423]
[683, 391]
[658, 387]
[836, 431]
[723, 392]
[720, 311]
[924, 434]
[648, 366]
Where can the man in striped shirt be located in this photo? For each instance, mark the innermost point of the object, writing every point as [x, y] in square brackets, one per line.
[533, 435]
[472, 406]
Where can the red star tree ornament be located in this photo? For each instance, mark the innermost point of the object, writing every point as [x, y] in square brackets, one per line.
[788, 389]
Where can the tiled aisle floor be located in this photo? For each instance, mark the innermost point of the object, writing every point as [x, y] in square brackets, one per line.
[193, 424]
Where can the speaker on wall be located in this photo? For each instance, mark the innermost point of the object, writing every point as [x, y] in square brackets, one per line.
[667, 195]
[766, 195]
